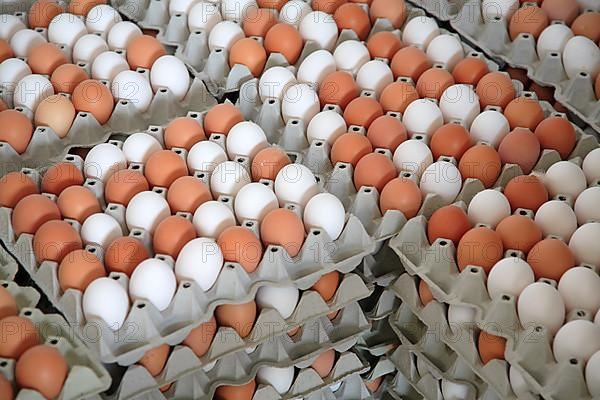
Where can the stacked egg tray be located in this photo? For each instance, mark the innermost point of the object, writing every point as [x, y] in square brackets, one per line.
[8, 265]
[87, 377]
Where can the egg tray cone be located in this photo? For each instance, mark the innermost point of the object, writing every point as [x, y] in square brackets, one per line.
[380, 304]
[398, 387]
[576, 93]
[379, 340]
[8, 265]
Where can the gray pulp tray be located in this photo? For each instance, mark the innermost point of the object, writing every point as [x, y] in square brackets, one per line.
[379, 340]
[8, 265]
[380, 304]
[443, 10]
[398, 387]
[86, 378]
[577, 93]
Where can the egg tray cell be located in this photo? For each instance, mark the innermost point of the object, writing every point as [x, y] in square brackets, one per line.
[381, 268]
[8, 265]
[380, 304]
[314, 337]
[379, 340]
[398, 387]
[576, 93]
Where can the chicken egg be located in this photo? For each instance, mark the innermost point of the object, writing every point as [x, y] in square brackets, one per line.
[585, 205]
[295, 183]
[121, 34]
[286, 40]
[374, 76]
[42, 12]
[401, 194]
[65, 29]
[153, 280]
[25, 41]
[31, 212]
[146, 210]
[339, 88]
[541, 304]
[42, 368]
[488, 207]
[553, 40]
[519, 232]
[13, 187]
[556, 218]
[397, 96]
[200, 338]
[131, 86]
[410, 62]
[481, 162]
[170, 72]
[250, 53]
[433, 82]
[420, 31]
[327, 212]
[82, 7]
[100, 229]
[413, 156]
[56, 112]
[320, 28]
[503, 9]
[510, 276]
[592, 369]
[491, 347]
[495, 89]
[123, 185]
[374, 169]
[448, 222]
[352, 16]
[293, 12]
[31, 90]
[384, 44]
[301, 102]
[480, 247]
[445, 49]
[240, 317]
[17, 130]
[443, 179]
[520, 147]
[316, 66]
[245, 139]
[550, 258]
[103, 161]
[459, 102]
[205, 156]
[8, 305]
[529, 19]
[11, 24]
[588, 25]
[470, 70]
[187, 193]
[254, 201]
[274, 82]
[239, 392]
[527, 192]
[581, 55]
[268, 162]
[283, 299]
[101, 18]
[386, 132]
[93, 97]
[124, 254]
[284, 228]
[163, 167]
[45, 58]
[12, 71]
[590, 166]
[212, 217]
[138, 147]
[578, 339]
[242, 246]
[451, 140]
[579, 288]
[422, 117]
[582, 244]
[566, 178]
[67, 77]
[224, 34]
[54, 240]
[562, 10]
[186, 265]
[558, 134]
[228, 178]
[88, 47]
[106, 300]
[171, 234]
[258, 21]
[78, 269]
[280, 378]
[327, 126]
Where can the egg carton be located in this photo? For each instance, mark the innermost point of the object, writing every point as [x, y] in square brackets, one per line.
[398, 387]
[379, 340]
[86, 378]
[8, 265]
[380, 304]
[25, 296]
[381, 268]
[576, 94]
[316, 336]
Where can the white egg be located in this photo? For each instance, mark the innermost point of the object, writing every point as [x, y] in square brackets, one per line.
[578, 339]
[555, 217]
[518, 384]
[586, 206]
[25, 40]
[295, 183]
[443, 179]
[224, 34]
[454, 391]
[315, 67]
[502, 9]
[254, 201]
[107, 65]
[420, 32]
[580, 289]
[200, 261]
[10, 25]
[566, 178]
[65, 29]
[204, 16]
[102, 18]
[325, 211]
[228, 178]
[301, 102]
[592, 374]
[235, 10]
[121, 34]
[488, 207]
[88, 47]
[326, 126]
[12, 70]
[103, 160]
[584, 244]
[461, 315]
[350, 55]
[274, 82]
[146, 210]
[279, 378]
[139, 147]
[413, 156]
[211, 218]
[320, 28]
[541, 304]
[283, 299]
[153, 280]
[553, 39]
[445, 49]
[31, 90]
[205, 156]
[246, 138]
[105, 299]
[490, 126]
[510, 276]
[591, 166]
[134, 87]
[460, 102]
[100, 229]
[422, 116]
[170, 72]
[374, 75]
[581, 55]
[294, 11]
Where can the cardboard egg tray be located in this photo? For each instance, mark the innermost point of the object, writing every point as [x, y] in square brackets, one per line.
[8, 265]
[443, 10]
[380, 304]
[379, 340]
[398, 387]
[87, 377]
[381, 268]
[577, 93]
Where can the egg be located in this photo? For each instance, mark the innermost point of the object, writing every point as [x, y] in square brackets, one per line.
[585, 205]
[17, 130]
[325, 211]
[480, 247]
[121, 34]
[578, 339]
[280, 378]
[250, 53]
[100, 229]
[42, 368]
[565, 178]
[509, 276]
[581, 244]
[448, 222]
[397, 96]
[374, 76]
[133, 87]
[258, 21]
[315, 67]
[240, 245]
[556, 133]
[550, 258]
[318, 27]
[488, 207]
[240, 317]
[401, 194]
[153, 280]
[526, 191]
[293, 11]
[82, 7]
[441, 178]
[221, 118]
[171, 73]
[42, 12]
[425, 294]
[295, 183]
[519, 233]
[553, 40]
[93, 97]
[491, 347]
[286, 40]
[6, 388]
[491, 127]
[481, 162]
[123, 185]
[413, 156]
[386, 132]
[54, 240]
[143, 51]
[124, 254]
[520, 147]
[138, 147]
[254, 201]
[327, 126]
[327, 285]
[579, 289]
[224, 34]
[352, 16]
[88, 47]
[374, 169]
[394, 11]
[433, 82]
[67, 77]
[13, 187]
[495, 89]
[529, 19]
[338, 88]
[186, 263]
[212, 217]
[11, 26]
[25, 40]
[146, 210]
[56, 112]
[163, 167]
[410, 62]
[12, 71]
[524, 112]
[562, 10]
[200, 338]
[384, 44]
[301, 102]
[155, 359]
[171, 235]
[187, 193]
[60, 176]
[541, 304]
[245, 139]
[450, 140]
[591, 374]
[283, 299]
[588, 25]
[284, 228]
[470, 70]
[445, 49]
[239, 392]
[581, 56]
[420, 31]
[422, 117]
[228, 178]
[8, 305]
[556, 218]
[78, 269]
[5, 51]
[106, 300]
[267, 163]
[20, 334]
[591, 166]
[32, 212]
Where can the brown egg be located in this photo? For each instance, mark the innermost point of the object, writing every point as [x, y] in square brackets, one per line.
[143, 50]
[449, 222]
[558, 134]
[56, 112]
[82, 7]
[588, 25]
[267, 163]
[353, 17]
[78, 269]
[433, 82]
[519, 232]
[392, 10]
[425, 293]
[470, 70]
[6, 389]
[66, 77]
[250, 53]
[401, 194]
[187, 194]
[239, 392]
[323, 364]
[154, 360]
[495, 89]
[373, 385]
[54, 240]
[529, 19]
[284, 39]
[387, 132]
[3, 105]
[42, 12]
[45, 58]
[42, 368]
[327, 6]
[171, 234]
[563, 10]
[397, 96]
[327, 285]
[241, 246]
[13, 187]
[258, 21]
[384, 44]
[5, 51]
[284, 228]
[93, 97]
[410, 62]
[164, 167]
[350, 148]
[339, 88]
[183, 132]
[8, 305]
[16, 130]
[60, 176]
[221, 118]
[273, 4]
[491, 347]
[78, 203]
[18, 335]
[376, 170]
[481, 162]
[596, 90]
[200, 338]
[527, 192]
[480, 247]
[240, 317]
[451, 140]
[362, 111]
[32, 212]
[123, 185]
[124, 254]
[524, 112]
[520, 147]
[550, 258]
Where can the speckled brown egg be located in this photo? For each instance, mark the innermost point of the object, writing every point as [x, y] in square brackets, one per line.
[520, 147]
[258, 21]
[350, 148]
[284, 39]
[200, 338]
[362, 111]
[5, 51]
[240, 245]
[392, 10]
[14, 186]
[19, 334]
[250, 53]
[481, 247]
[374, 169]
[397, 96]
[42, 368]
[60, 176]
[425, 294]
[327, 285]
[588, 25]
[470, 70]
[143, 51]
[409, 62]
[8, 305]
[164, 167]
[529, 19]
[54, 240]
[45, 58]
[16, 130]
[93, 97]
[284, 228]
[183, 132]
[78, 203]
[519, 232]
[171, 234]
[451, 140]
[527, 192]
[561, 10]
[42, 12]
[238, 392]
[495, 89]
[491, 347]
[327, 6]
[124, 254]
[449, 222]
[352, 16]
[339, 88]
[401, 194]
[384, 44]
[556, 133]
[433, 82]
[32, 212]
[66, 77]
[387, 132]
[78, 269]
[481, 162]
[524, 112]
[82, 7]
[550, 258]
[123, 185]
[187, 193]
[267, 163]
[240, 317]
[221, 118]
